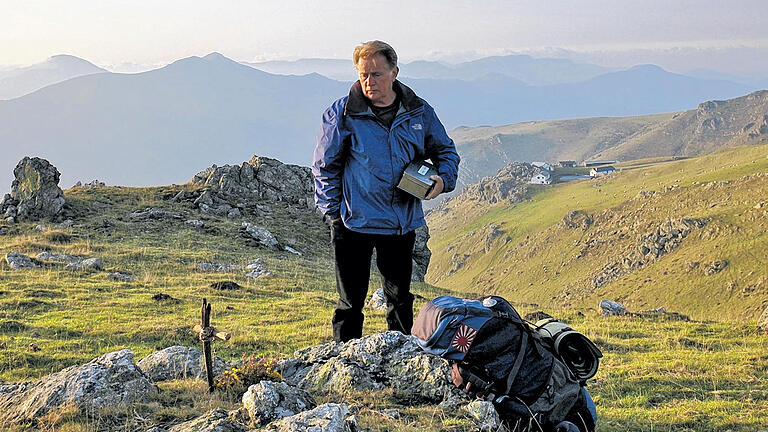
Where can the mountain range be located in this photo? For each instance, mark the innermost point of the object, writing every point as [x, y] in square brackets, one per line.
[15, 82]
[157, 126]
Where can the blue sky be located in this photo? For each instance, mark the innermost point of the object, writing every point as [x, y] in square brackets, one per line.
[112, 32]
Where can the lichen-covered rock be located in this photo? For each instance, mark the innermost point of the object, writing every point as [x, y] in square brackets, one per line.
[57, 257]
[121, 277]
[105, 381]
[257, 269]
[18, 261]
[35, 192]
[261, 178]
[268, 401]
[86, 264]
[215, 420]
[260, 235]
[389, 359]
[178, 362]
[612, 308]
[377, 300]
[329, 417]
[485, 415]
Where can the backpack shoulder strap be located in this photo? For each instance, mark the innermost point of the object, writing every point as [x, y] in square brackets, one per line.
[518, 362]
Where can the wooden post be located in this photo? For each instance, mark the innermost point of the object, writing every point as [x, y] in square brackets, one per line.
[207, 334]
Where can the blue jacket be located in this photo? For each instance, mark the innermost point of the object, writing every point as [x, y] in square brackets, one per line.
[358, 162]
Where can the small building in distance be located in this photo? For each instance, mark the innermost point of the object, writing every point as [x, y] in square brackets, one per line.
[601, 171]
[543, 165]
[544, 177]
[599, 162]
[567, 164]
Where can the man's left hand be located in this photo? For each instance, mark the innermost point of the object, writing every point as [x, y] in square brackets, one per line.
[437, 188]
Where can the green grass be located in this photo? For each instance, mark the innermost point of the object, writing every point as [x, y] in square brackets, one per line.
[656, 375]
[540, 260]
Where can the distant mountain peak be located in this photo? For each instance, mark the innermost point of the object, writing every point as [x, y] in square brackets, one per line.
[216, 56]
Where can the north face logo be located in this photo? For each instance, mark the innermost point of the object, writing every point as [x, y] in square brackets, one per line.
[416, 126]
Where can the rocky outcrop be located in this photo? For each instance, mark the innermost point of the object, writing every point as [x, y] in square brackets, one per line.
[510, 185]
[649, 247]
[178, 362]
[35, 192]
[105, 381]
[762, 323]
[229, 187]
[576, 219]
[19, 261]
[389, 359]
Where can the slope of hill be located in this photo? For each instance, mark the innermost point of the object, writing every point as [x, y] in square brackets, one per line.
[17, 82]
[690, 236]
[656, 373]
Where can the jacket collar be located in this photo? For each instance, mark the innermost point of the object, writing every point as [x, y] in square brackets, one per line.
[356, 103]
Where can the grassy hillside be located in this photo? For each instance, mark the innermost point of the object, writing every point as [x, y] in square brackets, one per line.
[657, 374]
[527, 252]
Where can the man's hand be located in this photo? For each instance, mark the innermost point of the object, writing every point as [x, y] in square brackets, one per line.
[437, 188]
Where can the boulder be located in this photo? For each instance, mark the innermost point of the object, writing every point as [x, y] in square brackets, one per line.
[106, 381]
[485, 415]
[268, 401]
[328, 417]
[35, 192]
[377, 300]
[261, 236]
[261, 178]
[57, 257]
[390, 359]
[257, 269]
[86, 264]
[612, 308]
[18, 261]
[121, 277]
[178, 362]
[215, 420]
[195, 223]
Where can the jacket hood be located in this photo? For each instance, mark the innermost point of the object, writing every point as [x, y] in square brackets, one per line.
[356, 103]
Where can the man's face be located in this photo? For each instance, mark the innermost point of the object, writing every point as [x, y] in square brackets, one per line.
[376, 78]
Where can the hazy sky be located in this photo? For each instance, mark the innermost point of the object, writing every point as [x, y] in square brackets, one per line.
[111, 32]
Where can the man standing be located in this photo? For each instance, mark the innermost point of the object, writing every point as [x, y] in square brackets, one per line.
[364, 145]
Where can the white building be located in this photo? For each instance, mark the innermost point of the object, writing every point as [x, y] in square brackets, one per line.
[601, 171]
[543, 165]
[543, 177]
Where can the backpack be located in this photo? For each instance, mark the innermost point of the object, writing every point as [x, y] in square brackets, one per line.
[496, 355]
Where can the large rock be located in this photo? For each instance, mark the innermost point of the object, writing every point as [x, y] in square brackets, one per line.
[268, 401]
[18, 261]
[329, 417]
[260, 178]
[35, 192]
[105, 381]
[485, 415]
[178, 362]
[384, 360]
[260, 235]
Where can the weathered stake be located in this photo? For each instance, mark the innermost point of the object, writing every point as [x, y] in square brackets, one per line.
[207, 334]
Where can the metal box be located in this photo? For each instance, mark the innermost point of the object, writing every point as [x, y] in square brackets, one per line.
[415, 180]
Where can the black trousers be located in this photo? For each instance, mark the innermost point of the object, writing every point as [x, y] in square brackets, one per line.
[353, 251]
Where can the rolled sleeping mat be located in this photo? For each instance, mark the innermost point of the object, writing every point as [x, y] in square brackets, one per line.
[580, 354]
